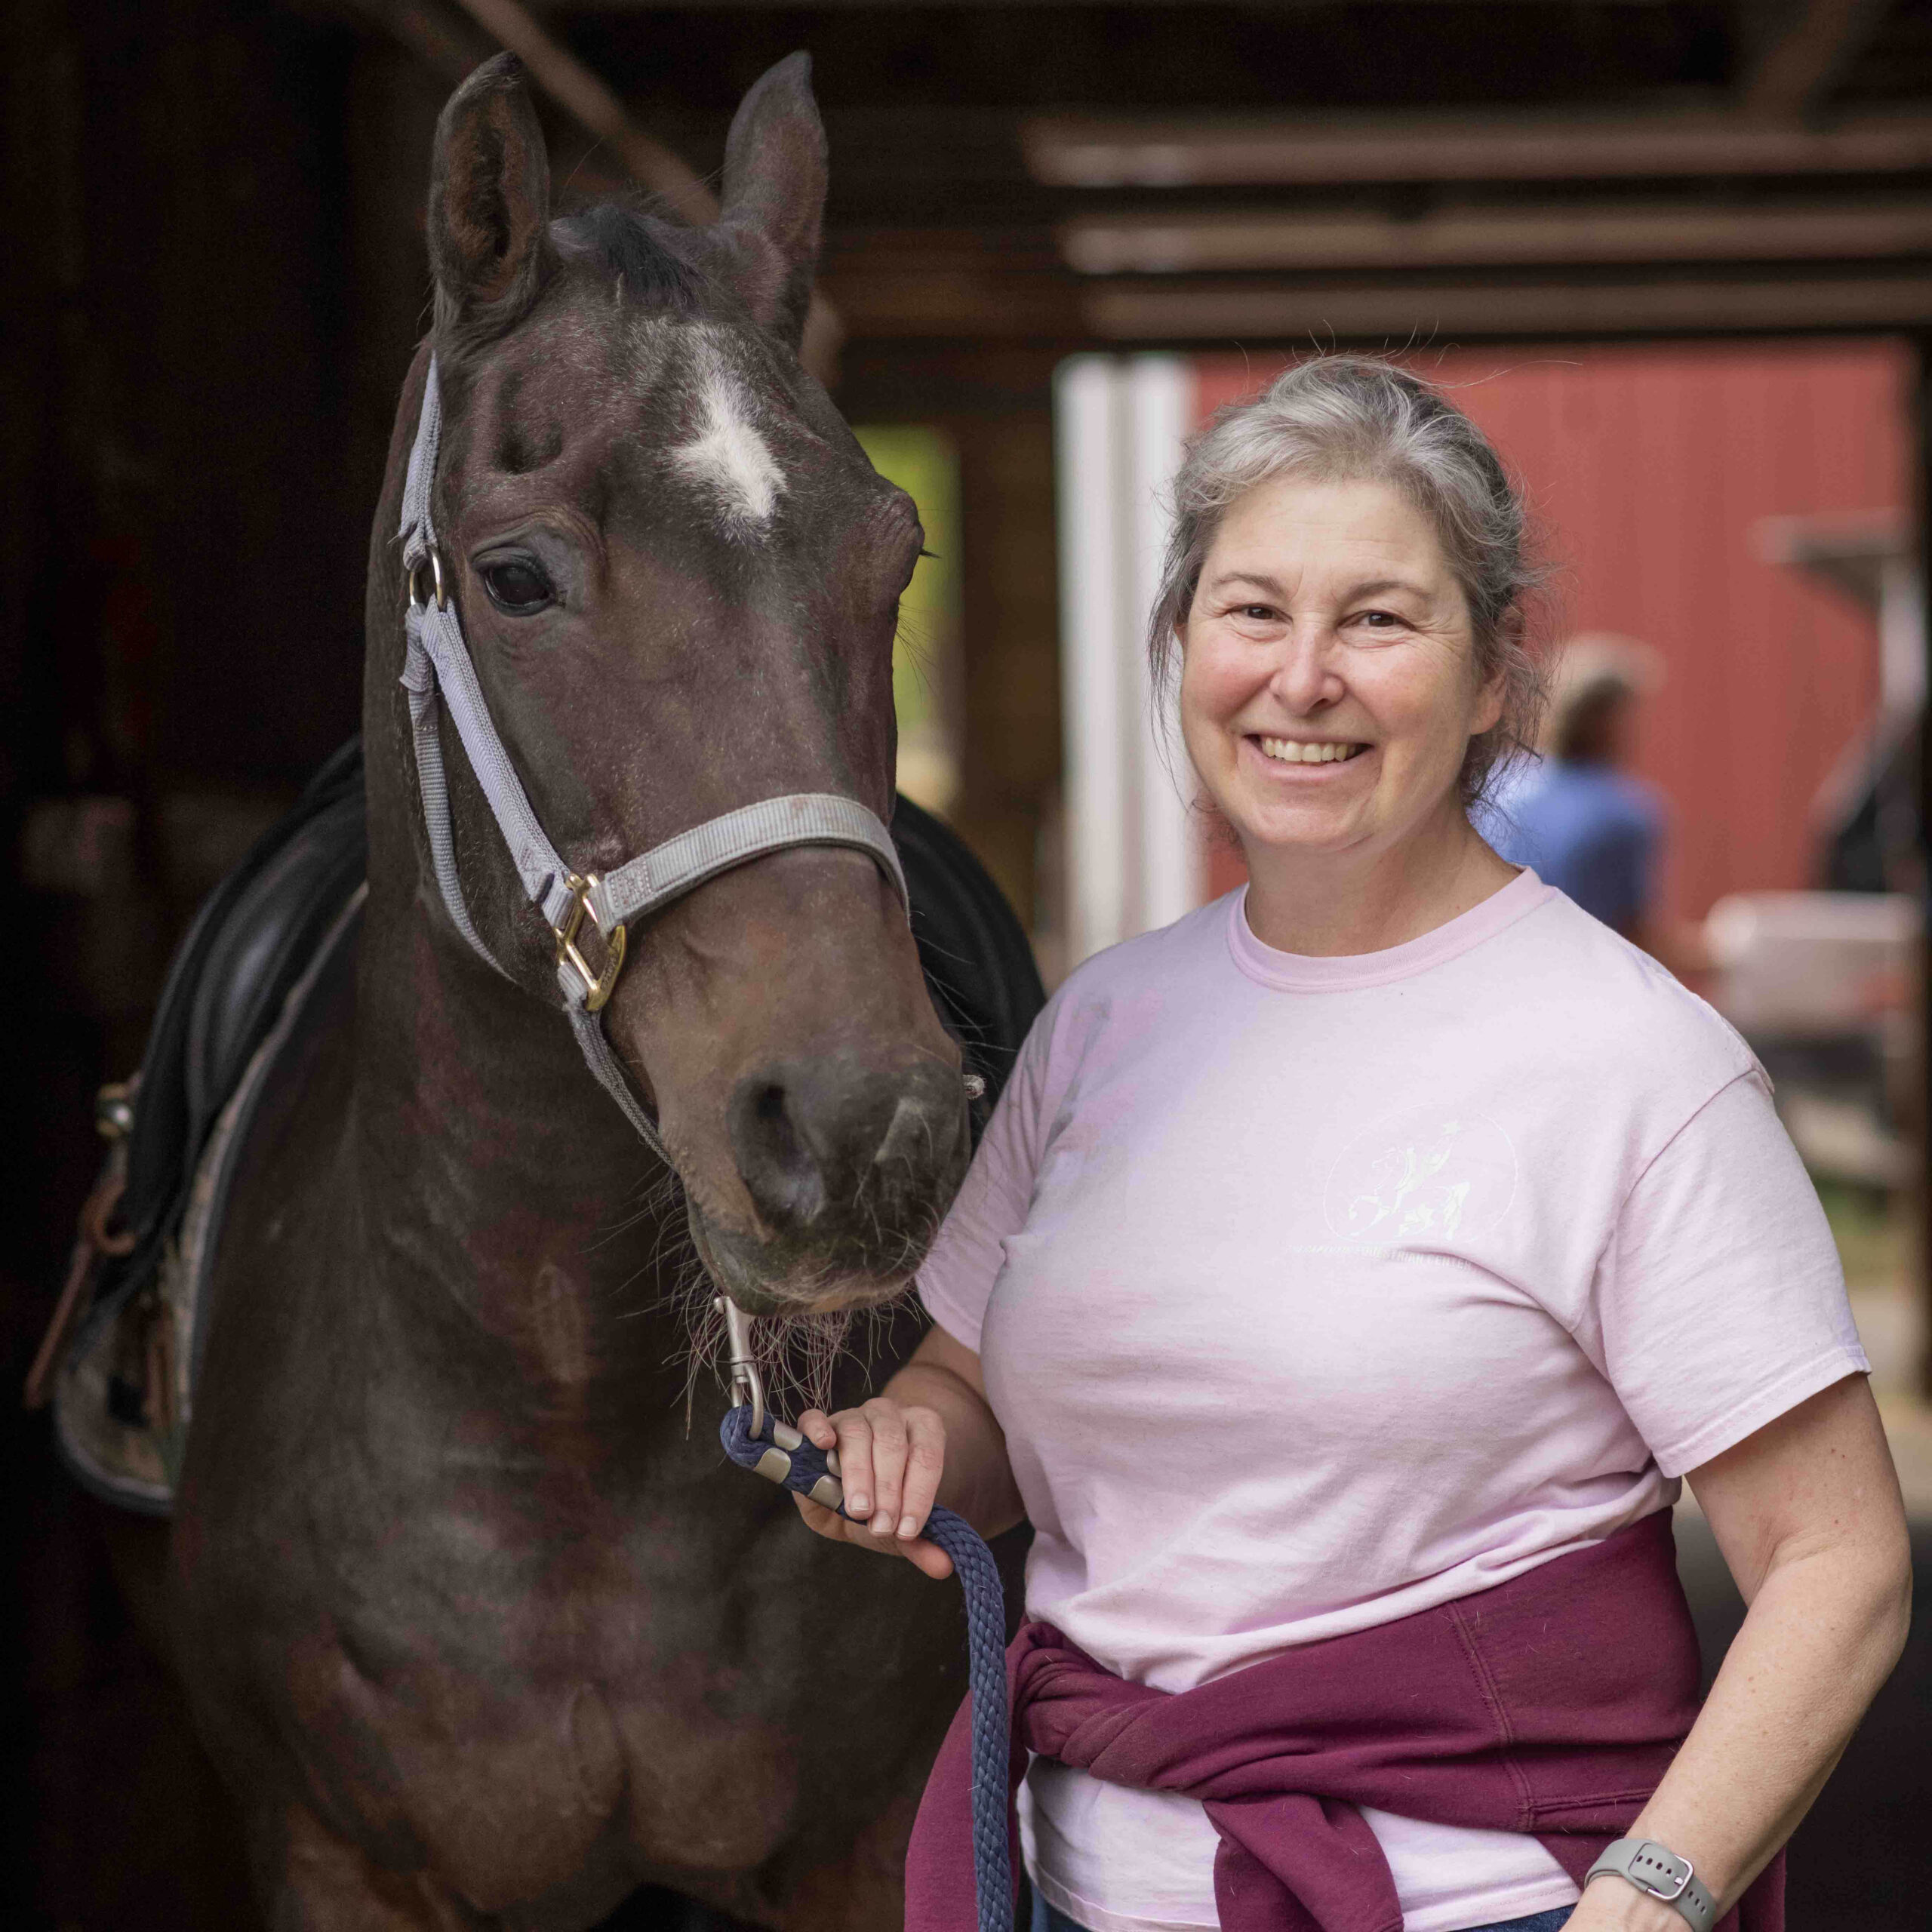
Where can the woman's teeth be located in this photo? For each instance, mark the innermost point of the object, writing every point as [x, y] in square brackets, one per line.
[1299, 751]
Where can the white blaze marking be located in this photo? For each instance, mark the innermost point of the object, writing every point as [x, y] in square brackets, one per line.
[727, 455]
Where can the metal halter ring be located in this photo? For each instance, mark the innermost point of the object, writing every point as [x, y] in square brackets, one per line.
[418, 600]
[597, 987]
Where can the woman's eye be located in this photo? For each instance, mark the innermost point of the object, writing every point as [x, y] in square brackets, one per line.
[1380, 620]
[517, 586]
[1258, 613]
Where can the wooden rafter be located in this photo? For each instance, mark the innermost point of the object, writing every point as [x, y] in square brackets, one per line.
[1430, 312]
[933, 287]
[1170, 151]
[1860, 228]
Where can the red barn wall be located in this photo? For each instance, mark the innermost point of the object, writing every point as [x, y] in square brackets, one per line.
[1649, 469]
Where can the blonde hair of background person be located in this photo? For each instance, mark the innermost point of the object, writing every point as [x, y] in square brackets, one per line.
[1588, 666]
[1344, 598]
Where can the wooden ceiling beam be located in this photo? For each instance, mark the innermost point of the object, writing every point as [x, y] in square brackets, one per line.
[1854, 228]
[961, 293]
[1571, 308]
[1090, 151]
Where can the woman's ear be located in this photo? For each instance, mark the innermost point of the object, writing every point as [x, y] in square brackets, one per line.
[1489, 704]
[489, 216]
[1492, 691]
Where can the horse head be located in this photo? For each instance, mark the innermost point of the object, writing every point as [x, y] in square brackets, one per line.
[678, 576]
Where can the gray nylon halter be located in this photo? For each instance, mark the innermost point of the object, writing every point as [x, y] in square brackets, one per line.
[438, 675]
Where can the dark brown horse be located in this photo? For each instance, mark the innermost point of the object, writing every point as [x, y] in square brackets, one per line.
[474, 1616]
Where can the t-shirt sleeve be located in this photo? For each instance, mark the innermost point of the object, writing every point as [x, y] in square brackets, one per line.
[1720, 1302]
[956, 1279]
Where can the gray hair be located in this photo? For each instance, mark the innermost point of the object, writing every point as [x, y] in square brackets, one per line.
[1333, 417]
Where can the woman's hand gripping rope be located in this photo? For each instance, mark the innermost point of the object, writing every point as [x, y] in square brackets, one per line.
[890, 1456]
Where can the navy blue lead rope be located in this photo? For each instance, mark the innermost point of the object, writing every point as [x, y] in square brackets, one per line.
[782, 1456]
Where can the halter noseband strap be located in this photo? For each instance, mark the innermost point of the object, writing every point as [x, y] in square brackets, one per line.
[437, 673]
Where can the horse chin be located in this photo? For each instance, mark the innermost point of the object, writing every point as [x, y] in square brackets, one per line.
[770, 1278]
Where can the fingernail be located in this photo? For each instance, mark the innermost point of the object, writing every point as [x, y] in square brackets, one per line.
[857, 1505]
[907, 1526]
[881, 1524]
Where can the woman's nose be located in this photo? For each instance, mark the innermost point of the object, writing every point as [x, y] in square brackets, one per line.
[1304, 678]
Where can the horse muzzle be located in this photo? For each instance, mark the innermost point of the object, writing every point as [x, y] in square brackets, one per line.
[850, 1166]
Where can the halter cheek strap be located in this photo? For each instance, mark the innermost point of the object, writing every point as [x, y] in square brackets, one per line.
[438, 675]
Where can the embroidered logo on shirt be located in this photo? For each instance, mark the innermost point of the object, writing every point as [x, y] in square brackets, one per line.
[1426, 1176]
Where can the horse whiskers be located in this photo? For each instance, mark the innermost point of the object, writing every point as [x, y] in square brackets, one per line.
[660, 1198]
[797, 1349]
[889, 1231]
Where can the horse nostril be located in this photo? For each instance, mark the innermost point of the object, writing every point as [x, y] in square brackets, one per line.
[840, 1138]
[774, 1157]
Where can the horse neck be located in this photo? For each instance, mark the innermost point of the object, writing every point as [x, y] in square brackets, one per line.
[521, 1235]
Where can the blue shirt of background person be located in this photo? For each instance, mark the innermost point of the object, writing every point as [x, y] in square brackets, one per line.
[1583, 824]
[1587, 829]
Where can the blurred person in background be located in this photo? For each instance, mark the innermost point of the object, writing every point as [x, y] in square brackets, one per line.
[1578, 816]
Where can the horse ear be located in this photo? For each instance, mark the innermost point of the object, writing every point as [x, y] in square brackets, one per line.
[489, 223]
[774, 204]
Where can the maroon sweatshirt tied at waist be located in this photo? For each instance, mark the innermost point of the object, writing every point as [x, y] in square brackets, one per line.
[1552, 1704]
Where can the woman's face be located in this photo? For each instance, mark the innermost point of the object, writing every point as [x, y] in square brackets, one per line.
[1328, 692]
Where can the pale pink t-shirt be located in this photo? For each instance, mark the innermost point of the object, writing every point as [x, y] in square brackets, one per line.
[1312, 1292]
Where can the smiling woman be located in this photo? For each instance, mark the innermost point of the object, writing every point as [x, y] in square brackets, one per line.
[1348, 1278]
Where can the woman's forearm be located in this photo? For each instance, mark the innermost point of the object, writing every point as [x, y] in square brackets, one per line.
[1807, 1513]
[1824, 1631]
[977, 1482]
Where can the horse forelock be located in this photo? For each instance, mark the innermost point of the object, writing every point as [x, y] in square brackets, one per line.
[647, 260]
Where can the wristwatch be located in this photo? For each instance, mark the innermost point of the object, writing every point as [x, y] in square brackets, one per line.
[1651, 1868]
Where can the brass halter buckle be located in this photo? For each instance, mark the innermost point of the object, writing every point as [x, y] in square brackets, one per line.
[597, 987]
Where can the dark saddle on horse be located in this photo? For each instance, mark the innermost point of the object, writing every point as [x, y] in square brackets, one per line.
[231, 996]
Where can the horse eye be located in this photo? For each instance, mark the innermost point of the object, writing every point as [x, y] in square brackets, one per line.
[517, 586]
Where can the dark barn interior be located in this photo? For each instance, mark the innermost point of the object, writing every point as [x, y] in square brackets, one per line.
[217, 278]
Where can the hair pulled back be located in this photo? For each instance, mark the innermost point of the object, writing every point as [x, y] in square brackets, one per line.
[1337, 418]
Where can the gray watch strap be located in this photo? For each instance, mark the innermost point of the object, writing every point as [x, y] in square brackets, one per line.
[1656, 1869]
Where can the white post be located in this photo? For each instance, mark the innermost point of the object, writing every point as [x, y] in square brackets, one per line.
[1086, 457]
[1161, 396]
[1133, 850]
